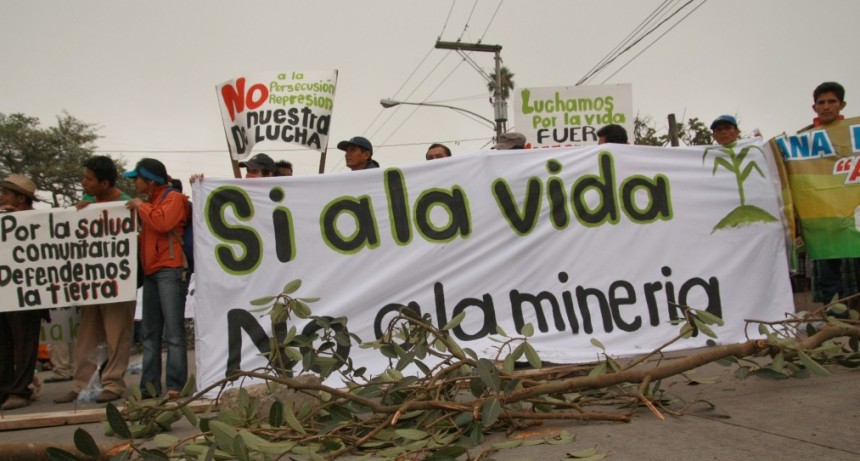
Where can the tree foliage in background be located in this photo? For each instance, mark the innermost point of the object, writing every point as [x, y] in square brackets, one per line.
[52, 157]
[693, 132]
[507, 83]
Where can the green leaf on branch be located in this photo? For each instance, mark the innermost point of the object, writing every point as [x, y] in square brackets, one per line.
[85, 443]
[532, 356]
[264, 301]
[117, 422]
[528, 330]
[456, 321]
[812, 365]
[709, 318]
[490, 411]
[291, 287]
[596, 343]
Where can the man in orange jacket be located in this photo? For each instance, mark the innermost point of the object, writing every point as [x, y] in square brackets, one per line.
[163, 217]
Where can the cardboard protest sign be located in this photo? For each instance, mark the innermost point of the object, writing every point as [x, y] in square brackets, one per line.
[571, 115]
[599, 242]
[66, 257]
[823, 174]
[288, 107]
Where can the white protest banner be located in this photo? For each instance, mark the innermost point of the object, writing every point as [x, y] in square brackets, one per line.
[596, 242]
[290, 107]
[571, 115]
[66, 257]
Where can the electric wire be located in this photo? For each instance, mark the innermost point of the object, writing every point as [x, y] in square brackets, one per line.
[466, 26]
[640, 38]
[492, 18]
[445, 26]
[626, 39]
[655, 41]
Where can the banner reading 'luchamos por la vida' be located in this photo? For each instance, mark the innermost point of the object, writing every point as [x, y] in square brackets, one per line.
[596, 242]
[291, 107]
[823, 174]
[571, 115]
[68, 257]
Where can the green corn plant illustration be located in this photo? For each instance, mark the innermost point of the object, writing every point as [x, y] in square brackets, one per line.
[743, 214]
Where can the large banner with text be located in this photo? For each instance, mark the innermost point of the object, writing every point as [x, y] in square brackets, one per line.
[572, 115]
[823, 174]
[600, 242]
[68, 257]
[290, 107]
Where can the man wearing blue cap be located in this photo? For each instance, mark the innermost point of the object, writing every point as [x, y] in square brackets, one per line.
[725, 130]
[358, 153]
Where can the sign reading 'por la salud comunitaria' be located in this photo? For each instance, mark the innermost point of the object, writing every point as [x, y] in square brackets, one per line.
[598, 242]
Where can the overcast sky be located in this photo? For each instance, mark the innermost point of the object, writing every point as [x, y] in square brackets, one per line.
[145, 72]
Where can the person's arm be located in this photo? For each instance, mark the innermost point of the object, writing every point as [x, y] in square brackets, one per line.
[164, 216]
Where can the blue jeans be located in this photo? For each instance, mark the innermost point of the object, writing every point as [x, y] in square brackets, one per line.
[164, 312]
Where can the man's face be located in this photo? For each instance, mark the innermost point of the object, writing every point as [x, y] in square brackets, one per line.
[726, 133]
[356, 158]
[601, 140]
[253, 173]
[7, 197]
[828, 107]
[282, 171]
[92, 185]
[436, 152]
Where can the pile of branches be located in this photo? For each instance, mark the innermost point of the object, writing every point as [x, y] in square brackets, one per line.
[437, 400]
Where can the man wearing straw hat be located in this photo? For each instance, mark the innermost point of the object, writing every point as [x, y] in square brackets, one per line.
[19, 330]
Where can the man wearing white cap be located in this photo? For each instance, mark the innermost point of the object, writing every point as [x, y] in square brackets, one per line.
[511, 140]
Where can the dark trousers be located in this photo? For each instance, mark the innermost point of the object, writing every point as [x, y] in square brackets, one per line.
[19, 349]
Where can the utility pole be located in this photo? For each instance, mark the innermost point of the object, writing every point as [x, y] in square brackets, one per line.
[500, 106]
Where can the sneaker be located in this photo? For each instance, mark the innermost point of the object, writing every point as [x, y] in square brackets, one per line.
[14, 402]
[70, 397]
[173, 395]
[107, 396]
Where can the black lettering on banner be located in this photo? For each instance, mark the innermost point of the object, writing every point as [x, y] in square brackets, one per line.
[454, 202]
[365, 233]
[239, 320]
[536, 301]
[658, 199]
[522, 221]
[231, 197]
[604, 185]
[485, 305]
[398, 206]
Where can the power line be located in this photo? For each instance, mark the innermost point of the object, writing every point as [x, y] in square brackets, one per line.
[625, 41]
[655, 41]
[493, 18]
[640, 38]
[444, 26]
[466, 26]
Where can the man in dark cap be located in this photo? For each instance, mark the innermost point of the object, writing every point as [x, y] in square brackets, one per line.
[359, 153]
[725, 130]
[510, 141]
[259, 166]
